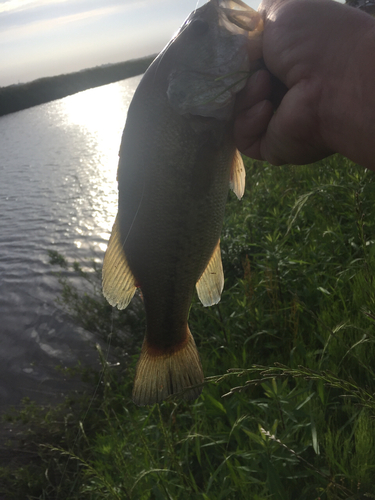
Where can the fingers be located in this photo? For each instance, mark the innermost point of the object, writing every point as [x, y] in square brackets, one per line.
[293, 133]
[254, 111]
[250, 126]
[258, 88]
[289, 135]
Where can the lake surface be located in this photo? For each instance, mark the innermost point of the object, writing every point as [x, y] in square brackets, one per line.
[58, 191]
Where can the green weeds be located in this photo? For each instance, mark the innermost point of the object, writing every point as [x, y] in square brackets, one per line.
[287, 411]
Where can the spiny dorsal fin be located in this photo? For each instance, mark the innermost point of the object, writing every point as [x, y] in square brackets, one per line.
[211, 283]
[118, 280]
[237, 175]
[161, 374]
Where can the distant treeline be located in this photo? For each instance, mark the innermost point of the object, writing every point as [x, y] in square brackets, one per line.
[16, 97]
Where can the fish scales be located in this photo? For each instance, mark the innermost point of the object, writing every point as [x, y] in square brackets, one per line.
[177, 159]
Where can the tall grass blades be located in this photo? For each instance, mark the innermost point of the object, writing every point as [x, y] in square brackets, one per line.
[287, 411]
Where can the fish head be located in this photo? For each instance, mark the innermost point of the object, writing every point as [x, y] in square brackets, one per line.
[211, 57]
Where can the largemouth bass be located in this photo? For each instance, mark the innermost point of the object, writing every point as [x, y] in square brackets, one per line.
[177, 160]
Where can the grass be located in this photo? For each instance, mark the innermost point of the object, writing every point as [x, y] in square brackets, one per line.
[287, 411]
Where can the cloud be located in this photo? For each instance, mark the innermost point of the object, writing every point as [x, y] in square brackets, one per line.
[18, 5]
[14, 7]
[30, 17]
[25, 28]
[46, 37]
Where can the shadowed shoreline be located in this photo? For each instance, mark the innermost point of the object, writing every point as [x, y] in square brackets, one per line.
[25, 95]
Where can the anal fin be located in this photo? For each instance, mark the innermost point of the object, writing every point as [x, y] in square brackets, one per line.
[117, 279]
[211, 283]
[161, 374]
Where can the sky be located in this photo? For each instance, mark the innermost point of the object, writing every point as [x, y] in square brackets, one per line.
[49, 37]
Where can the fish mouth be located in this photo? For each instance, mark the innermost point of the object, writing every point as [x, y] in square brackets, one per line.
[239, 19]
[238, 14]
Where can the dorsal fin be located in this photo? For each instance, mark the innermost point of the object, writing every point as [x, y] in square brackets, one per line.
[237, 175]
[118, 280]
[211, 283]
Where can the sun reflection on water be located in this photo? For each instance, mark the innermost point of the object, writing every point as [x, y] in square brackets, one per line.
[99, 116]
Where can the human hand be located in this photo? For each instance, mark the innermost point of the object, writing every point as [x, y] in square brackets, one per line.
[323, 52]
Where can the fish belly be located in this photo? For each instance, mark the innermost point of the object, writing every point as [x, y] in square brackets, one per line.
[171, 228]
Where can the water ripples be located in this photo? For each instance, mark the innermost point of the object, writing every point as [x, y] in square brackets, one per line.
[58, 191]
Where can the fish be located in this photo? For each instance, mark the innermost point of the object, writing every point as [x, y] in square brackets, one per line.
[177, 161]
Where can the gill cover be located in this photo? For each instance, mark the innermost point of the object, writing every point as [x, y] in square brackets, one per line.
[218, 46]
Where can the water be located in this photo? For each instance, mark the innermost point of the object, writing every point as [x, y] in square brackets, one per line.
[58, 191]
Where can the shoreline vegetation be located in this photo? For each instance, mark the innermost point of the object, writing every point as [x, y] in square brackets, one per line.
[26, 95]
[288, 406]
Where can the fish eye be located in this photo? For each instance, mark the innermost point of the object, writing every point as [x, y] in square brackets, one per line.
[199, 27]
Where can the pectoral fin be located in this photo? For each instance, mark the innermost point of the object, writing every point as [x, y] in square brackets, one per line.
[237, 175]
[211, 283]
[118, 280]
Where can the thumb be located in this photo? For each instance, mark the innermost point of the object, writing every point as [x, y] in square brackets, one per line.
[292, 135]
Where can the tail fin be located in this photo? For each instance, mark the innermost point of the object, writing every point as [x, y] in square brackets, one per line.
[158, 375]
